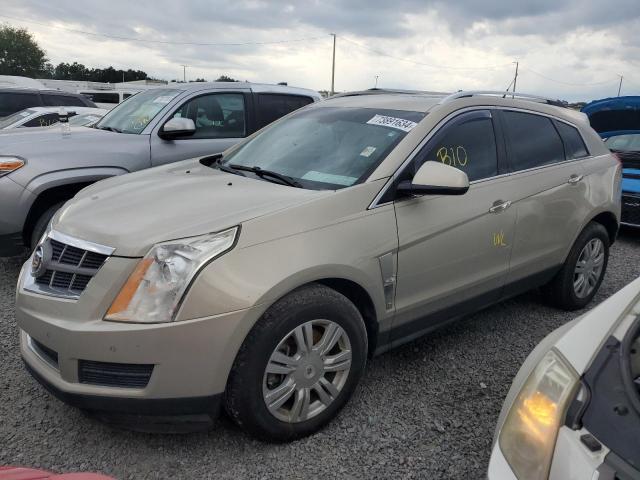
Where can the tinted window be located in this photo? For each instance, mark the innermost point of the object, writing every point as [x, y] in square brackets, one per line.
[42, 120]
[62, 101]
[218, 115]
[573, 144]
[11, 102]
[534, 141]
[272, 106]
[467, 143]
[612, 120]
[103, 97]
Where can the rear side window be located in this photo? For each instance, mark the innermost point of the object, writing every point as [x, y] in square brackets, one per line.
[43, 120]
[273, 106]
[11, 102]
[467, 143]
[533, 139]
[573, 144]
[62, 101]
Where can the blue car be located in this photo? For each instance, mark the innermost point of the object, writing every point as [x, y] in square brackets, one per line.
[617, 120]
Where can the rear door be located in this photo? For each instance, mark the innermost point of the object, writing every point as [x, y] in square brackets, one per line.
[454, 250]
[221, 121]
[549, 192]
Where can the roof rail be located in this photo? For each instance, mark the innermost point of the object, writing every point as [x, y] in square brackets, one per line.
[378, 91]
[505, 94]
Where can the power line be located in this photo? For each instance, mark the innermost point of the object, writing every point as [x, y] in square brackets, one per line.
[571, 84]
[162, 42]
[451, 67]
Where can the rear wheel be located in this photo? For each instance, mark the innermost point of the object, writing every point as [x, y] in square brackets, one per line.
[298, 366]
[579, 279]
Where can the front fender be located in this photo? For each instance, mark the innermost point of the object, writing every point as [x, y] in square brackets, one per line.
[59, 178]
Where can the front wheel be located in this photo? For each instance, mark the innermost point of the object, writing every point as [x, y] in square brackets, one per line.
[583, 271]
[298, 366]
[42, 222]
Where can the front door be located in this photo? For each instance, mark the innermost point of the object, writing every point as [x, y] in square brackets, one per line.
[220, 120]
[454, 250]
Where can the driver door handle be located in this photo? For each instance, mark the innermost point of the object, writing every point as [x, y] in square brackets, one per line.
[499, 206]
[573, 179]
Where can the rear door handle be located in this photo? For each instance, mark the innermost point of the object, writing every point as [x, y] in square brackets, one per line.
[499, 206]
[573, 179]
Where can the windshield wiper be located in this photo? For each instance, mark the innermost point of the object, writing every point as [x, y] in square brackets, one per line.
[110, 129]
[267, 173]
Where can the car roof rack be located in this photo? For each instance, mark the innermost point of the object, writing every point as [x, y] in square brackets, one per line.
[503, 94]
[379, 91]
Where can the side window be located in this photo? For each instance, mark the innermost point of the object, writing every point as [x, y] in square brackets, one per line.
[573, 144]
[42, 120]
[272, 106]
[468, 143]
[533, 140]
[62, 101]
[218, 115]
[14, 102]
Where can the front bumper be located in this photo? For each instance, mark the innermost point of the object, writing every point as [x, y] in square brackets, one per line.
[95, 364]
[15, 202]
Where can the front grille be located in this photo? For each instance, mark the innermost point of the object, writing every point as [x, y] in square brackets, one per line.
[70, 268]
[630, 210]
[48, 355]
[126, 375]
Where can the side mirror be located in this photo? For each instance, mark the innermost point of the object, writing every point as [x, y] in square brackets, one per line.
[177, 127]
[435, 178]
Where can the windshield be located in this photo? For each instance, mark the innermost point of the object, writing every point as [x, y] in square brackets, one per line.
[326, 147]
[624, 143]
[16, 117]
[135, 113]
[84, 119]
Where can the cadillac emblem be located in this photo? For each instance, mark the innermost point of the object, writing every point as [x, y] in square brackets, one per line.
[39, 261]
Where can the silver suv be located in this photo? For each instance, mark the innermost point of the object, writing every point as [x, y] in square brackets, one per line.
[39, 171]
[262, 279]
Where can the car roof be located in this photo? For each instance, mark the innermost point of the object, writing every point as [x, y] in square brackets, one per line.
[256, 87]
[68, 108]
[37, 90]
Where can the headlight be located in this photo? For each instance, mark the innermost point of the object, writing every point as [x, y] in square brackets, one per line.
[528, 436]
[154, 289]
[9, 164]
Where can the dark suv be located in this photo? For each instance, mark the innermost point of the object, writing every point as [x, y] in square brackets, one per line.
[13, 100]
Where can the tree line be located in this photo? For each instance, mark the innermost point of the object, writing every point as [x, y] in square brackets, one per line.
[21, 55]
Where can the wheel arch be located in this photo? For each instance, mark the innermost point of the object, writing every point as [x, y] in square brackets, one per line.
[60, 186]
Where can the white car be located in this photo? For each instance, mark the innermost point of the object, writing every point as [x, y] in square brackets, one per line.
[573, 411]
[47, 116]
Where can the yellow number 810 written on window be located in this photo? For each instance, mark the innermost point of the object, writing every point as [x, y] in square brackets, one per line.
[454, 156]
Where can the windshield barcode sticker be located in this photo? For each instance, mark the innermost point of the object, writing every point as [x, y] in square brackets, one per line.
[393, 122]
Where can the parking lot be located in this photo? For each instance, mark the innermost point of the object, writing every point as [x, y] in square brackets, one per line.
[425, 410]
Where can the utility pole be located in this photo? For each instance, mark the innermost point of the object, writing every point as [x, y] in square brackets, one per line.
[515, 79]
[376, 86]
[184, 73]
[620, 86]
[333, 64]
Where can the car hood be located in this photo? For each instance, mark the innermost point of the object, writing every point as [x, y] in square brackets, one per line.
[135, 211]
[38, 135]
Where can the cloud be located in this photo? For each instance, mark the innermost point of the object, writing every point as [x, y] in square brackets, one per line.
[566, 48]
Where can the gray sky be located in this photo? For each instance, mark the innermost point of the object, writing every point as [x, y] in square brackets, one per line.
[571, 49]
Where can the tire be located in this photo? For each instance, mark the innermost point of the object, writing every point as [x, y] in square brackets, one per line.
[561, 290]
[42, 223]
[250, 386]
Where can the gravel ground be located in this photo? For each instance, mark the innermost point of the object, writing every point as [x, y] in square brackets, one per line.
[425, 410]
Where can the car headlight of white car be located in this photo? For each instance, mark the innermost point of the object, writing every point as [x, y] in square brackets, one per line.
[528, 435]
[154, 290]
